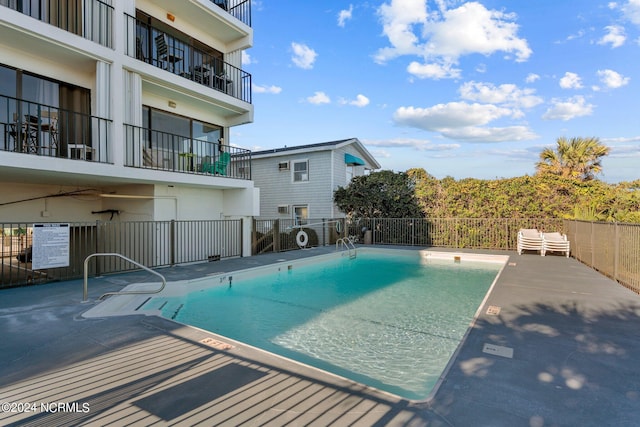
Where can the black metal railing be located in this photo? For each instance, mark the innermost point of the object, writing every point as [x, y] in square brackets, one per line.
[44, 130]
[151, 243]
[91, 19]
[177, 56]
[152, 149]
[239, 9]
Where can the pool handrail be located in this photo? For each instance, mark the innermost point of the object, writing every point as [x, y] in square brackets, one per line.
[347, 243]
[86, 277]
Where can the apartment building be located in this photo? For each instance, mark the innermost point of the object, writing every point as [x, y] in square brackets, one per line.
[121, 110]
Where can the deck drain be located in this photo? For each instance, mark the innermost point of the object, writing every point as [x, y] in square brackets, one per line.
[493, 310]
[498, 350]
[219, 345]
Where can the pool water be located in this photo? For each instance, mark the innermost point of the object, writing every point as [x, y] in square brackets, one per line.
[391, 322]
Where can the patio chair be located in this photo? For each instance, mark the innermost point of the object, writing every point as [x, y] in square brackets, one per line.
[168, 55]
[218, 167]
[555, 242]
[529, 239]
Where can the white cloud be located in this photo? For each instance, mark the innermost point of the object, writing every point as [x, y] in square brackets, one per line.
[398, 20]
[571, 81]
[472, 28]
[441, 38]
[491, 134]
[246, 59]
[417, 144]
[631, 10]
[568, 109]
[506, 94]
[615, 36]
[447, 116]
[345, 15]
[266, 89]
[360, 101]
[381, 154]
[433, 71]
[464, 121]
[612, 79]
[319, 98]
[532, 77]
[303, 55]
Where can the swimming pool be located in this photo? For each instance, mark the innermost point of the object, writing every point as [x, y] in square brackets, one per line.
[390, 319]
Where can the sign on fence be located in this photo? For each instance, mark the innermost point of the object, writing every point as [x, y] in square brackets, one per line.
[50, 246]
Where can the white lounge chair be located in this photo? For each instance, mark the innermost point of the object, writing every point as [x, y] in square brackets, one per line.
[529, 239]
[555, 242]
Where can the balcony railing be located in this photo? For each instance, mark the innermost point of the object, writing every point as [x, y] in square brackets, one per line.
[40, 129]
[91, 19]
[169, 52]
[240, 9]
[152, 149]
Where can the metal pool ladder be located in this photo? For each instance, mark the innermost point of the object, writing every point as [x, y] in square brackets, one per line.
[346, 243]
[86, 278]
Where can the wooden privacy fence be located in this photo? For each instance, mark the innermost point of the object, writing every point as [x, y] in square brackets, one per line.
[151, 243]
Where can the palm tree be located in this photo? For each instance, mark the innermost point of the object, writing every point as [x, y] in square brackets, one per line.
[578, 158]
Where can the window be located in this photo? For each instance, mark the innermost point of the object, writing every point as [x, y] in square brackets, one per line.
[283, 166]
[301, 171]
[300, 215]
[63, 108]
[349, 174]
[283, 209]
[180, 142]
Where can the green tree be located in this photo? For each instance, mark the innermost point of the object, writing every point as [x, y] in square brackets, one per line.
[578, 158]
[383, 194]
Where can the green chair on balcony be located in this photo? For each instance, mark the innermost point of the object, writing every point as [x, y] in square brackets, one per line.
[218, 167]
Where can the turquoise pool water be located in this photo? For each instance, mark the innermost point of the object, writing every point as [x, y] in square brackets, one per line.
[391, 322]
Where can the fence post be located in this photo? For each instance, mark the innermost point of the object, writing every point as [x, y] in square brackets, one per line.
[254, 236]
[242, 237]
[97, 246]
[592, 246]
[507, 241]
[172, 243]
[373, 232]
[616, 251]
[324, 232]
[276, 236]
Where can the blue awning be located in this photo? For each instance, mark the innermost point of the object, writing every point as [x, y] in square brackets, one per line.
[352, 160]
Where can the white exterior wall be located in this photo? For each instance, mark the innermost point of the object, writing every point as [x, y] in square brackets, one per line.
[327, 172]
[278, 187]
[119, 86]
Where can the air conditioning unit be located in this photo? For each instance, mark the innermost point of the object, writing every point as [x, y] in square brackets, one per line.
[283, 209]
[283, 166]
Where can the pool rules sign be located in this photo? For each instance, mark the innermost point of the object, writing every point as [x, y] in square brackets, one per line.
[50, 246]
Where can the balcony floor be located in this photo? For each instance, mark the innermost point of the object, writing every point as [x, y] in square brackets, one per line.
[573, 333]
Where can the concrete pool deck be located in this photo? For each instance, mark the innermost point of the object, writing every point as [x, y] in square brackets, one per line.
[556, 344]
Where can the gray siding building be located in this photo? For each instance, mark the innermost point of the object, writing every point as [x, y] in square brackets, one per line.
[298, 182]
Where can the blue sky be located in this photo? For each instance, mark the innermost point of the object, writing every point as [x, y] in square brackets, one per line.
[459, 88]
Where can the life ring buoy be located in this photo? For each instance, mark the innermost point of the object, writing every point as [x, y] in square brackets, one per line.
[302, 239]
[338, 227]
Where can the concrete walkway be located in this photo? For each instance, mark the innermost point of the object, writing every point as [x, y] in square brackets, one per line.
[556, 345]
